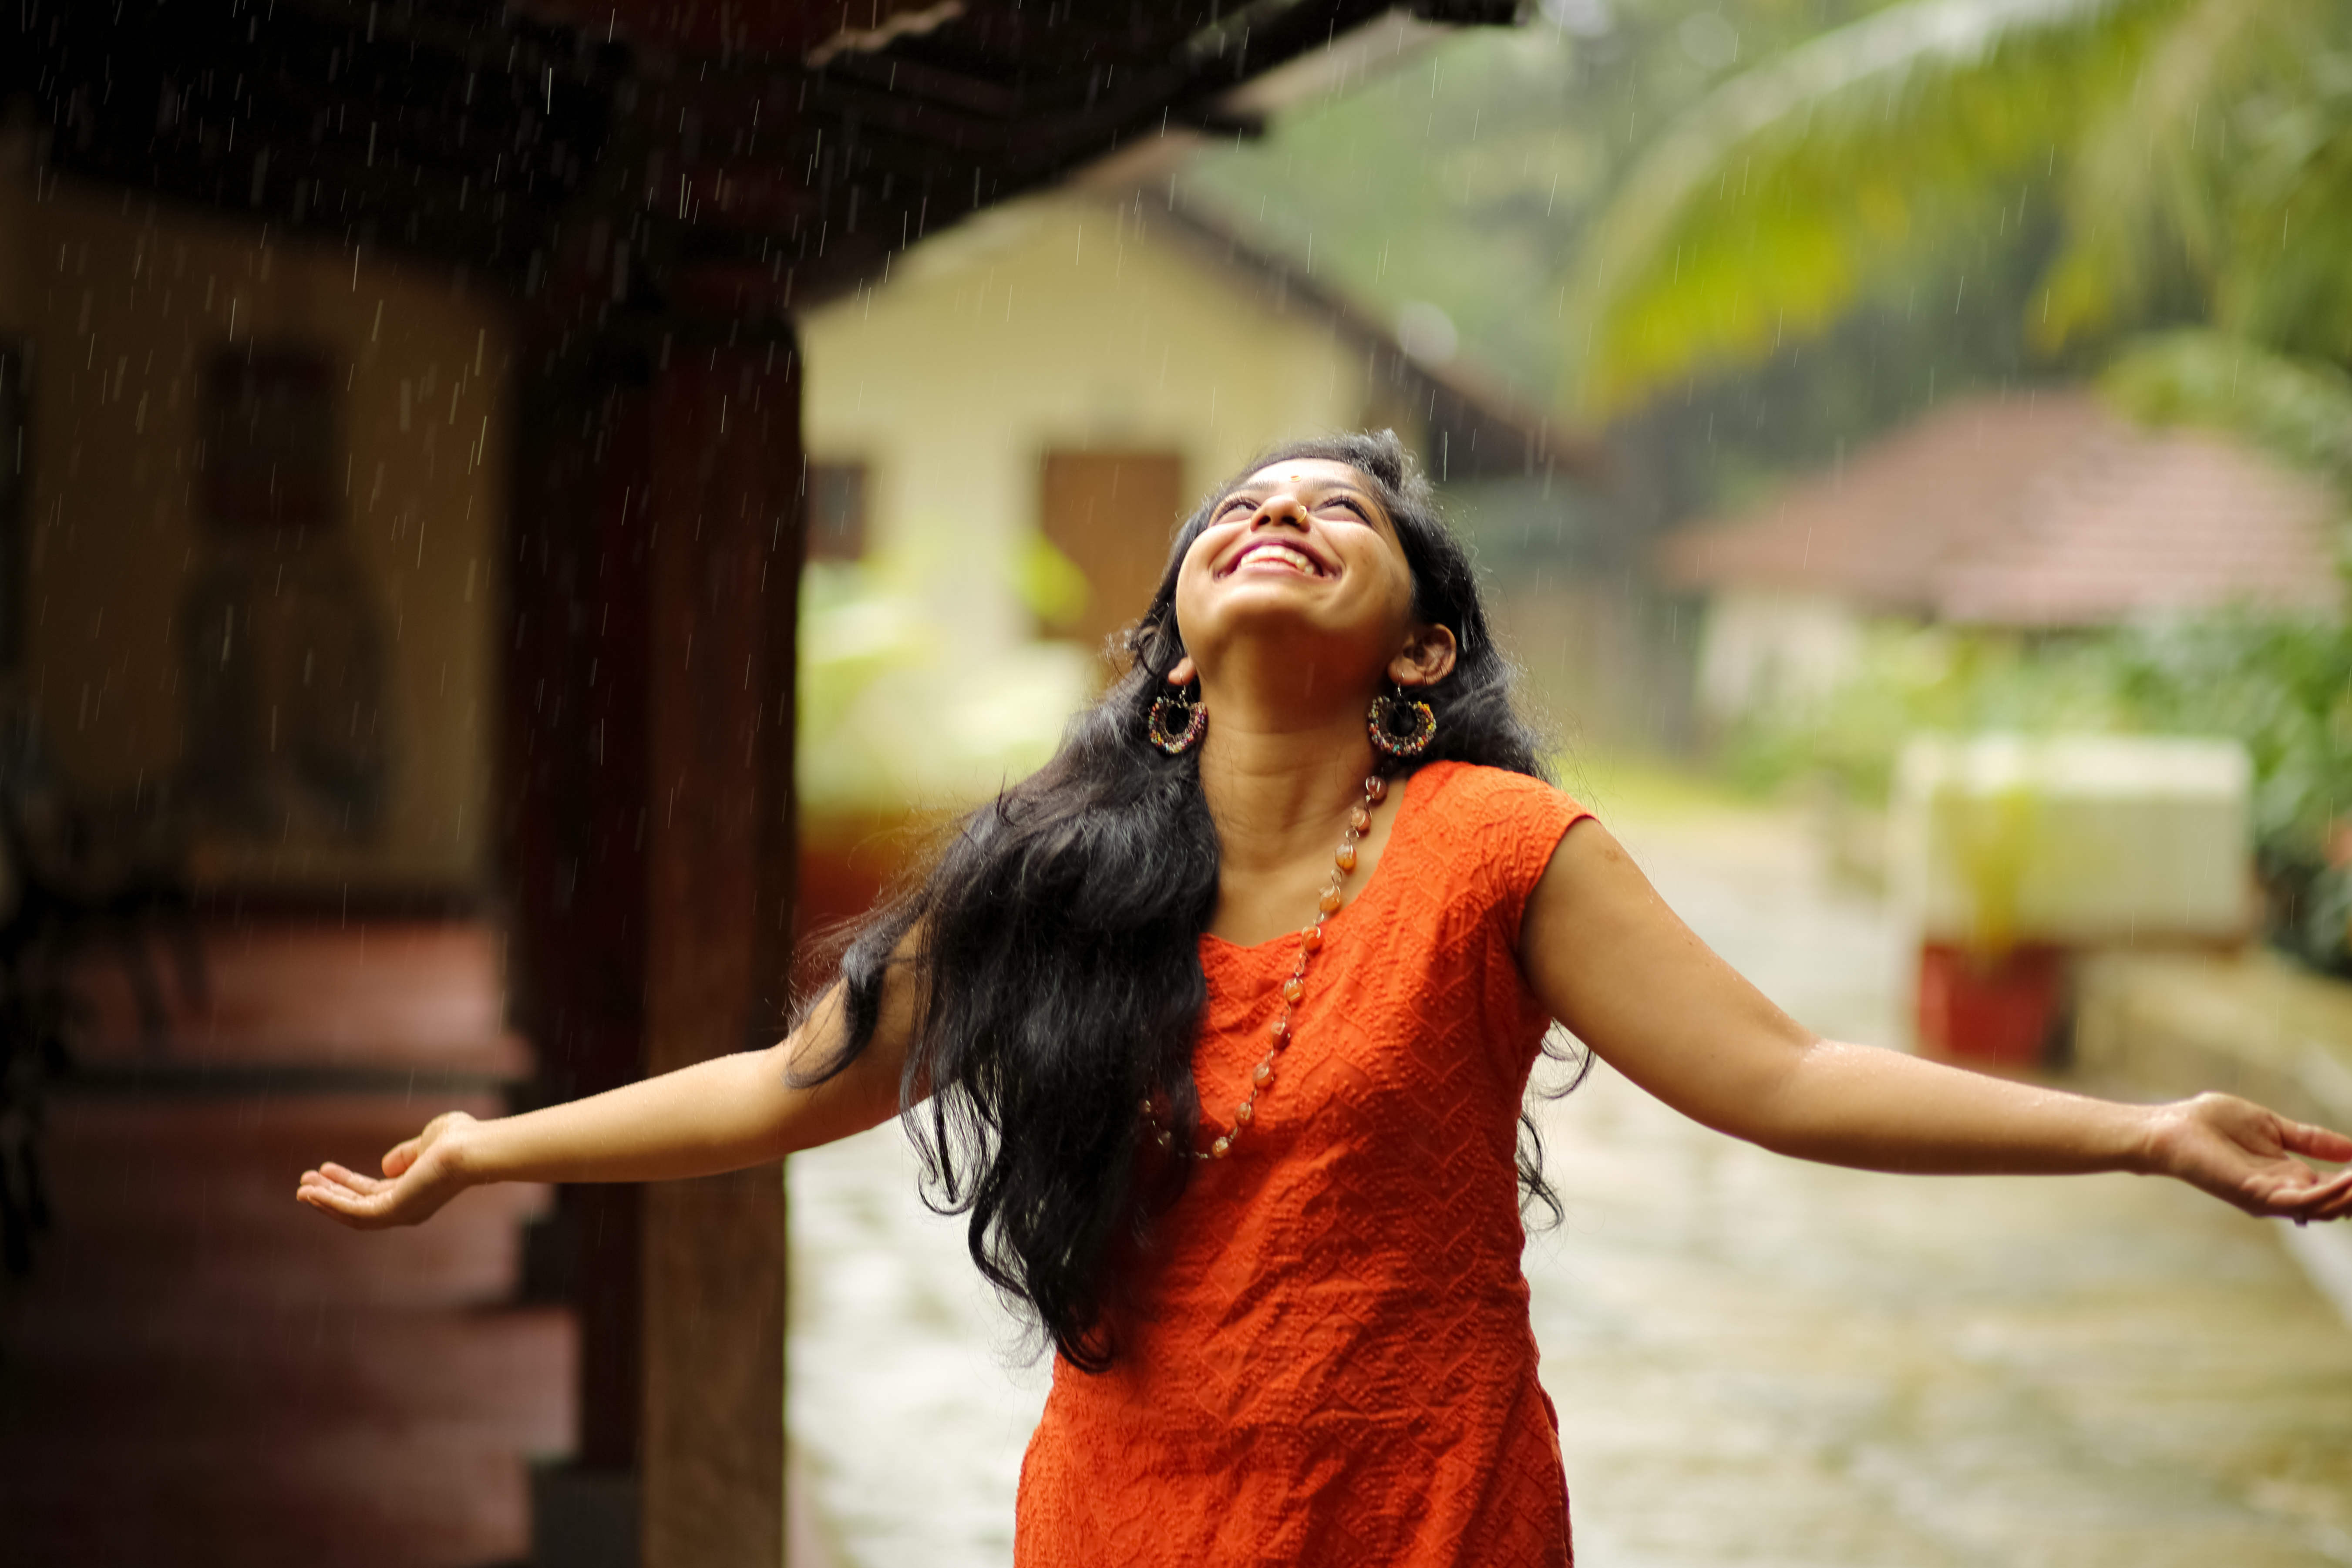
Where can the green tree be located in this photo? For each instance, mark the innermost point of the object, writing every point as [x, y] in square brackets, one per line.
[2195, 155]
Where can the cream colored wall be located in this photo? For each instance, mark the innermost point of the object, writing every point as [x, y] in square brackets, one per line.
[123, 300]
[1061, 321]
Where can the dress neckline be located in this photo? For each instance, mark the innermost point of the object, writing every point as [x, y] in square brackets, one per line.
[1408, 810]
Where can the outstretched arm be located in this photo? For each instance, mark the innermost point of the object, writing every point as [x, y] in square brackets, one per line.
[719, 1115]
[1628, 978]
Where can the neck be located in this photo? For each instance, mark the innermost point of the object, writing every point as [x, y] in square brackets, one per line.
[1274, 780]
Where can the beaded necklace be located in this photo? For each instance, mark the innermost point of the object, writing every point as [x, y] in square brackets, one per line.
[1310, 942]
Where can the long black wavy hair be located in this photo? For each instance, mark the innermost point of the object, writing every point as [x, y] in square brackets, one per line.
[1058, 963]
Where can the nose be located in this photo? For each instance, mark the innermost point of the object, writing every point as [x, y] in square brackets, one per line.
[1281, 507]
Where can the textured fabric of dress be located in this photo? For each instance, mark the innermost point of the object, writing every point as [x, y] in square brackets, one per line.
[1329, 1361]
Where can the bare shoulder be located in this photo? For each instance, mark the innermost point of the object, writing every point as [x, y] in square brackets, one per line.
[1619, 967]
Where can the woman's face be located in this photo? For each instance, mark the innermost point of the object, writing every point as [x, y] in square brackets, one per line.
[1303, 555]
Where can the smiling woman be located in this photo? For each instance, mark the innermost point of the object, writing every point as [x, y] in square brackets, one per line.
[1219, 1027]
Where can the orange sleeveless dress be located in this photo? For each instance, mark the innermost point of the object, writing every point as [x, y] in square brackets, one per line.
[1331, 1362]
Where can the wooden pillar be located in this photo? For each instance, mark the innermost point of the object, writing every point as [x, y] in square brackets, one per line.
[724, 428]
[574, 779]
[653, 583]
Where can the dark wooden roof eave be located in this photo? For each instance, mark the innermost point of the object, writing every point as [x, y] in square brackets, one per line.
[463, 130]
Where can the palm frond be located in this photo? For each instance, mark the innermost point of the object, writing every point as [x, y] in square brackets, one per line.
[2286, 278]
[1762, 212]
[2160, 179]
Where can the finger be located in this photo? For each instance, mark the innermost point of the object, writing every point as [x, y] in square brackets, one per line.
[2331, 1199]
[401, 1155]
[319, 1182]
[344, 1208]
[2318, 1142]
[343, 1177]
[2320, 1199]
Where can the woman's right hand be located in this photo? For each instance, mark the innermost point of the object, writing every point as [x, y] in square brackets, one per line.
[727, 1113]
[420, 1174]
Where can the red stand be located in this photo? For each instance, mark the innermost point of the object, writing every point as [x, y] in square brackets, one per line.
[1995, 1011]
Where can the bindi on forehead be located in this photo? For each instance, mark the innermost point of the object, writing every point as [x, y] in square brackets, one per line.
[1304, 479]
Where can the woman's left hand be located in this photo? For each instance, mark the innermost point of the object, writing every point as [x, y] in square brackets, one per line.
[2246, 1155]
[1632, 982]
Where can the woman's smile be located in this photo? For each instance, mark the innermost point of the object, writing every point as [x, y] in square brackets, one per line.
[1277, 556]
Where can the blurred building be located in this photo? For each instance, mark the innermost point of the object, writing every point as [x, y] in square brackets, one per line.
[1003, 436]
[256, 560]
[2039, 512]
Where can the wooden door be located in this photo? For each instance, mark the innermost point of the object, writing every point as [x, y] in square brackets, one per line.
[1113, 514]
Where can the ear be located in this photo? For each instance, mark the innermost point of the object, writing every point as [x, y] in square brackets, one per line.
[1184, 671]
[1428, 656]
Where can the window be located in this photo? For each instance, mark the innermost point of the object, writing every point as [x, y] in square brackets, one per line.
[838, 499]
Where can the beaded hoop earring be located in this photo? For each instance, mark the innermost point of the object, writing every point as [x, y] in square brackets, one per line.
[1174, 742]
[1386, 715]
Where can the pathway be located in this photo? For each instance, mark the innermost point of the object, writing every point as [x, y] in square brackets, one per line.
[1757, 1362]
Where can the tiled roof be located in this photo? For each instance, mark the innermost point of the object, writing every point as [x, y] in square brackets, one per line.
[2034, 511]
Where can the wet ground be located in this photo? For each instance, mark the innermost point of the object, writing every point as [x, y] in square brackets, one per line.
[1756, 1362]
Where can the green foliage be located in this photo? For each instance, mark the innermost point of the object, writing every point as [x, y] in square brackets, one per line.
[897, 705]
[1049, 583]
[1466, 176]
[1470, 176]
[1769, 207]
[2300, 409]
[1911, 678]
[2280, 687]
[2197, 155]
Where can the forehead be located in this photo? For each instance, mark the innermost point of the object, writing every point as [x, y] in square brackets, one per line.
[1318, 473]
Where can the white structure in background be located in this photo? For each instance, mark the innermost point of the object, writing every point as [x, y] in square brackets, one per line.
[2003, 847]
[1065, 372]
[1762, 649]
[2081, 840]
[2039, 512]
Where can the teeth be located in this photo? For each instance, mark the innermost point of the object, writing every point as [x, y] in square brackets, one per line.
[1284, 553]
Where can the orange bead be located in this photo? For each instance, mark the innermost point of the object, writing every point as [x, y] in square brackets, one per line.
[1360, 819]
[1221, 1148]
[1311, 939]
[1281, 1026]
[1376, 789]
[1242, 1112]
[1264, 1073]
[1329, 903]
[1345, 858]
[1293, 989]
